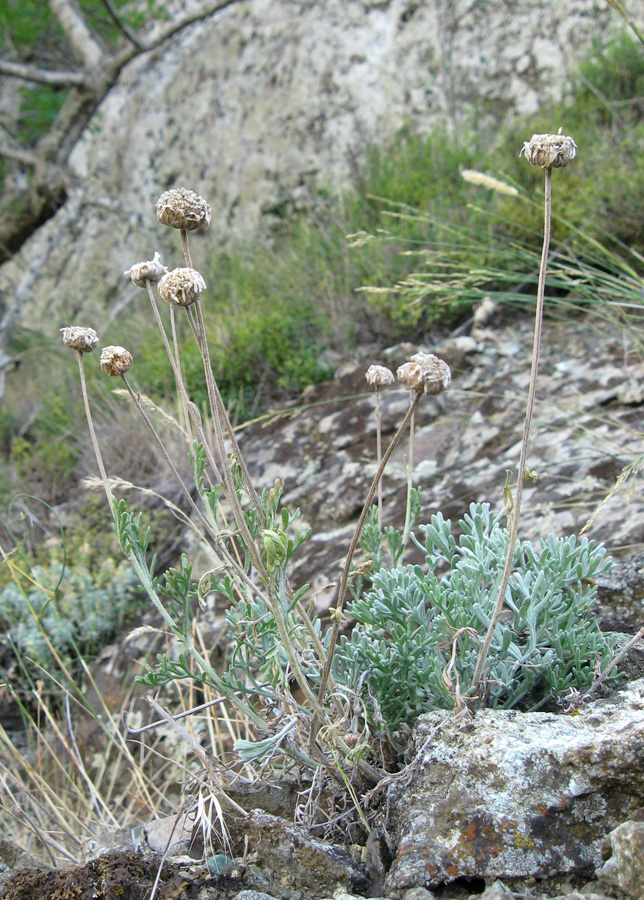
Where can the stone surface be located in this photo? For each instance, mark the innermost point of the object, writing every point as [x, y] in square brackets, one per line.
[582, 437]
[254, 104]
[624, 871]
[292, 860]
[512, 795]
[252, 895]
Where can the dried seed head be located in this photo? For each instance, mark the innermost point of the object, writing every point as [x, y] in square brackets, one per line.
[425, 374]
[183, 209]
[549, 150]
[379, 375]
[115, 360]
[181, 287]
[153, 271]
[78, 338]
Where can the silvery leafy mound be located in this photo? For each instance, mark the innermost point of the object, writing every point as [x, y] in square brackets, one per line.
[419, 628]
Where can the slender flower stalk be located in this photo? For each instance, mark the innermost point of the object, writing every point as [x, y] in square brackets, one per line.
[337, 617]
[547, 151]
[410, 470]
[379, 376]
[85, 340]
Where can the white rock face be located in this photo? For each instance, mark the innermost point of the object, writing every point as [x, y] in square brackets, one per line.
[251, 106]
[511, 794]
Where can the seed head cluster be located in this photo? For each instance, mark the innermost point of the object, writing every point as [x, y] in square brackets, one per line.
[153, 271]
[425, 374]
[549, 151]
[181, 287]
[79, 338]
[184, 209]
[379, 376]
[115, 360]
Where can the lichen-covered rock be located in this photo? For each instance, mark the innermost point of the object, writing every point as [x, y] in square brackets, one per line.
[511, 795]
[624, 871]
[253, 105]
[292, 860]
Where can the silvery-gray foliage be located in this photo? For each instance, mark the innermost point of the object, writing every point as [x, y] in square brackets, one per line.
[68, 609]
[418, 628]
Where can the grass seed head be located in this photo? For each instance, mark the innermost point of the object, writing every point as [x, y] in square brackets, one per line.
[116, 360]
[549, 151]
[153, 271]
[181, 287]
[425, 374]
[379, 375]
[78, 338]
[180, 208]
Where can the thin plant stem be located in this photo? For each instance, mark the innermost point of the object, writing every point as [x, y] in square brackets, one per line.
[216, 404]
[516, 512]
[620, 9]
[410, 469]
[188, 405]
[92, 433]
[211, 531]
[379, 454]
[175, 344]
[186, 248]
[224, 417]
[354, 544]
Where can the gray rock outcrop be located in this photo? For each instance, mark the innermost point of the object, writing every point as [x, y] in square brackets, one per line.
[253, 105]
[510, 794]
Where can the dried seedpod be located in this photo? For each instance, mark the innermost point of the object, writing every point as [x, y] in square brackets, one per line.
[116, 360]
[181, 287]
[549, 151]
[379, 376]
[85, 340]
[425, 374]
[184, 209]
[153, 271]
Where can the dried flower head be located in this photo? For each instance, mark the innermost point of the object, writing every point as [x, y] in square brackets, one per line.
[78, 338]
[379, 375]
[425, 374]
[180, 208]
[153, 271]
[115, 360]
[549, 150]
[181, 287]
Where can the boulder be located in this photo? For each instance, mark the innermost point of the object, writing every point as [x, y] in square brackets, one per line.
[624, 870]
[507, 794]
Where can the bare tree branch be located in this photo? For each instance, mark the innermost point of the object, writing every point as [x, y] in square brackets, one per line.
[19, 153]
[42, 76]
[85, 47]
[47, 188]
[125, 29]
[169, 30]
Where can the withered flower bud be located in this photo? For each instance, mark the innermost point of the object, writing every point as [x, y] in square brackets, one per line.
[78, 338]
[549, 151]
[379, 375]
[180, 208]
[153, 271]
[425, 374]
[181, 287]
[115, 360]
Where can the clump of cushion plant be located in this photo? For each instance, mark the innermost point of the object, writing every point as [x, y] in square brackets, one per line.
[419, 629]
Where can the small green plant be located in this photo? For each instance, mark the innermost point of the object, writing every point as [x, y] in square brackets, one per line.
[500, 624]
[53, 613]
[419, 629]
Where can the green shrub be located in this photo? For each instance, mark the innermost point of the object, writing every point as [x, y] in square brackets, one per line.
[413, 621]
